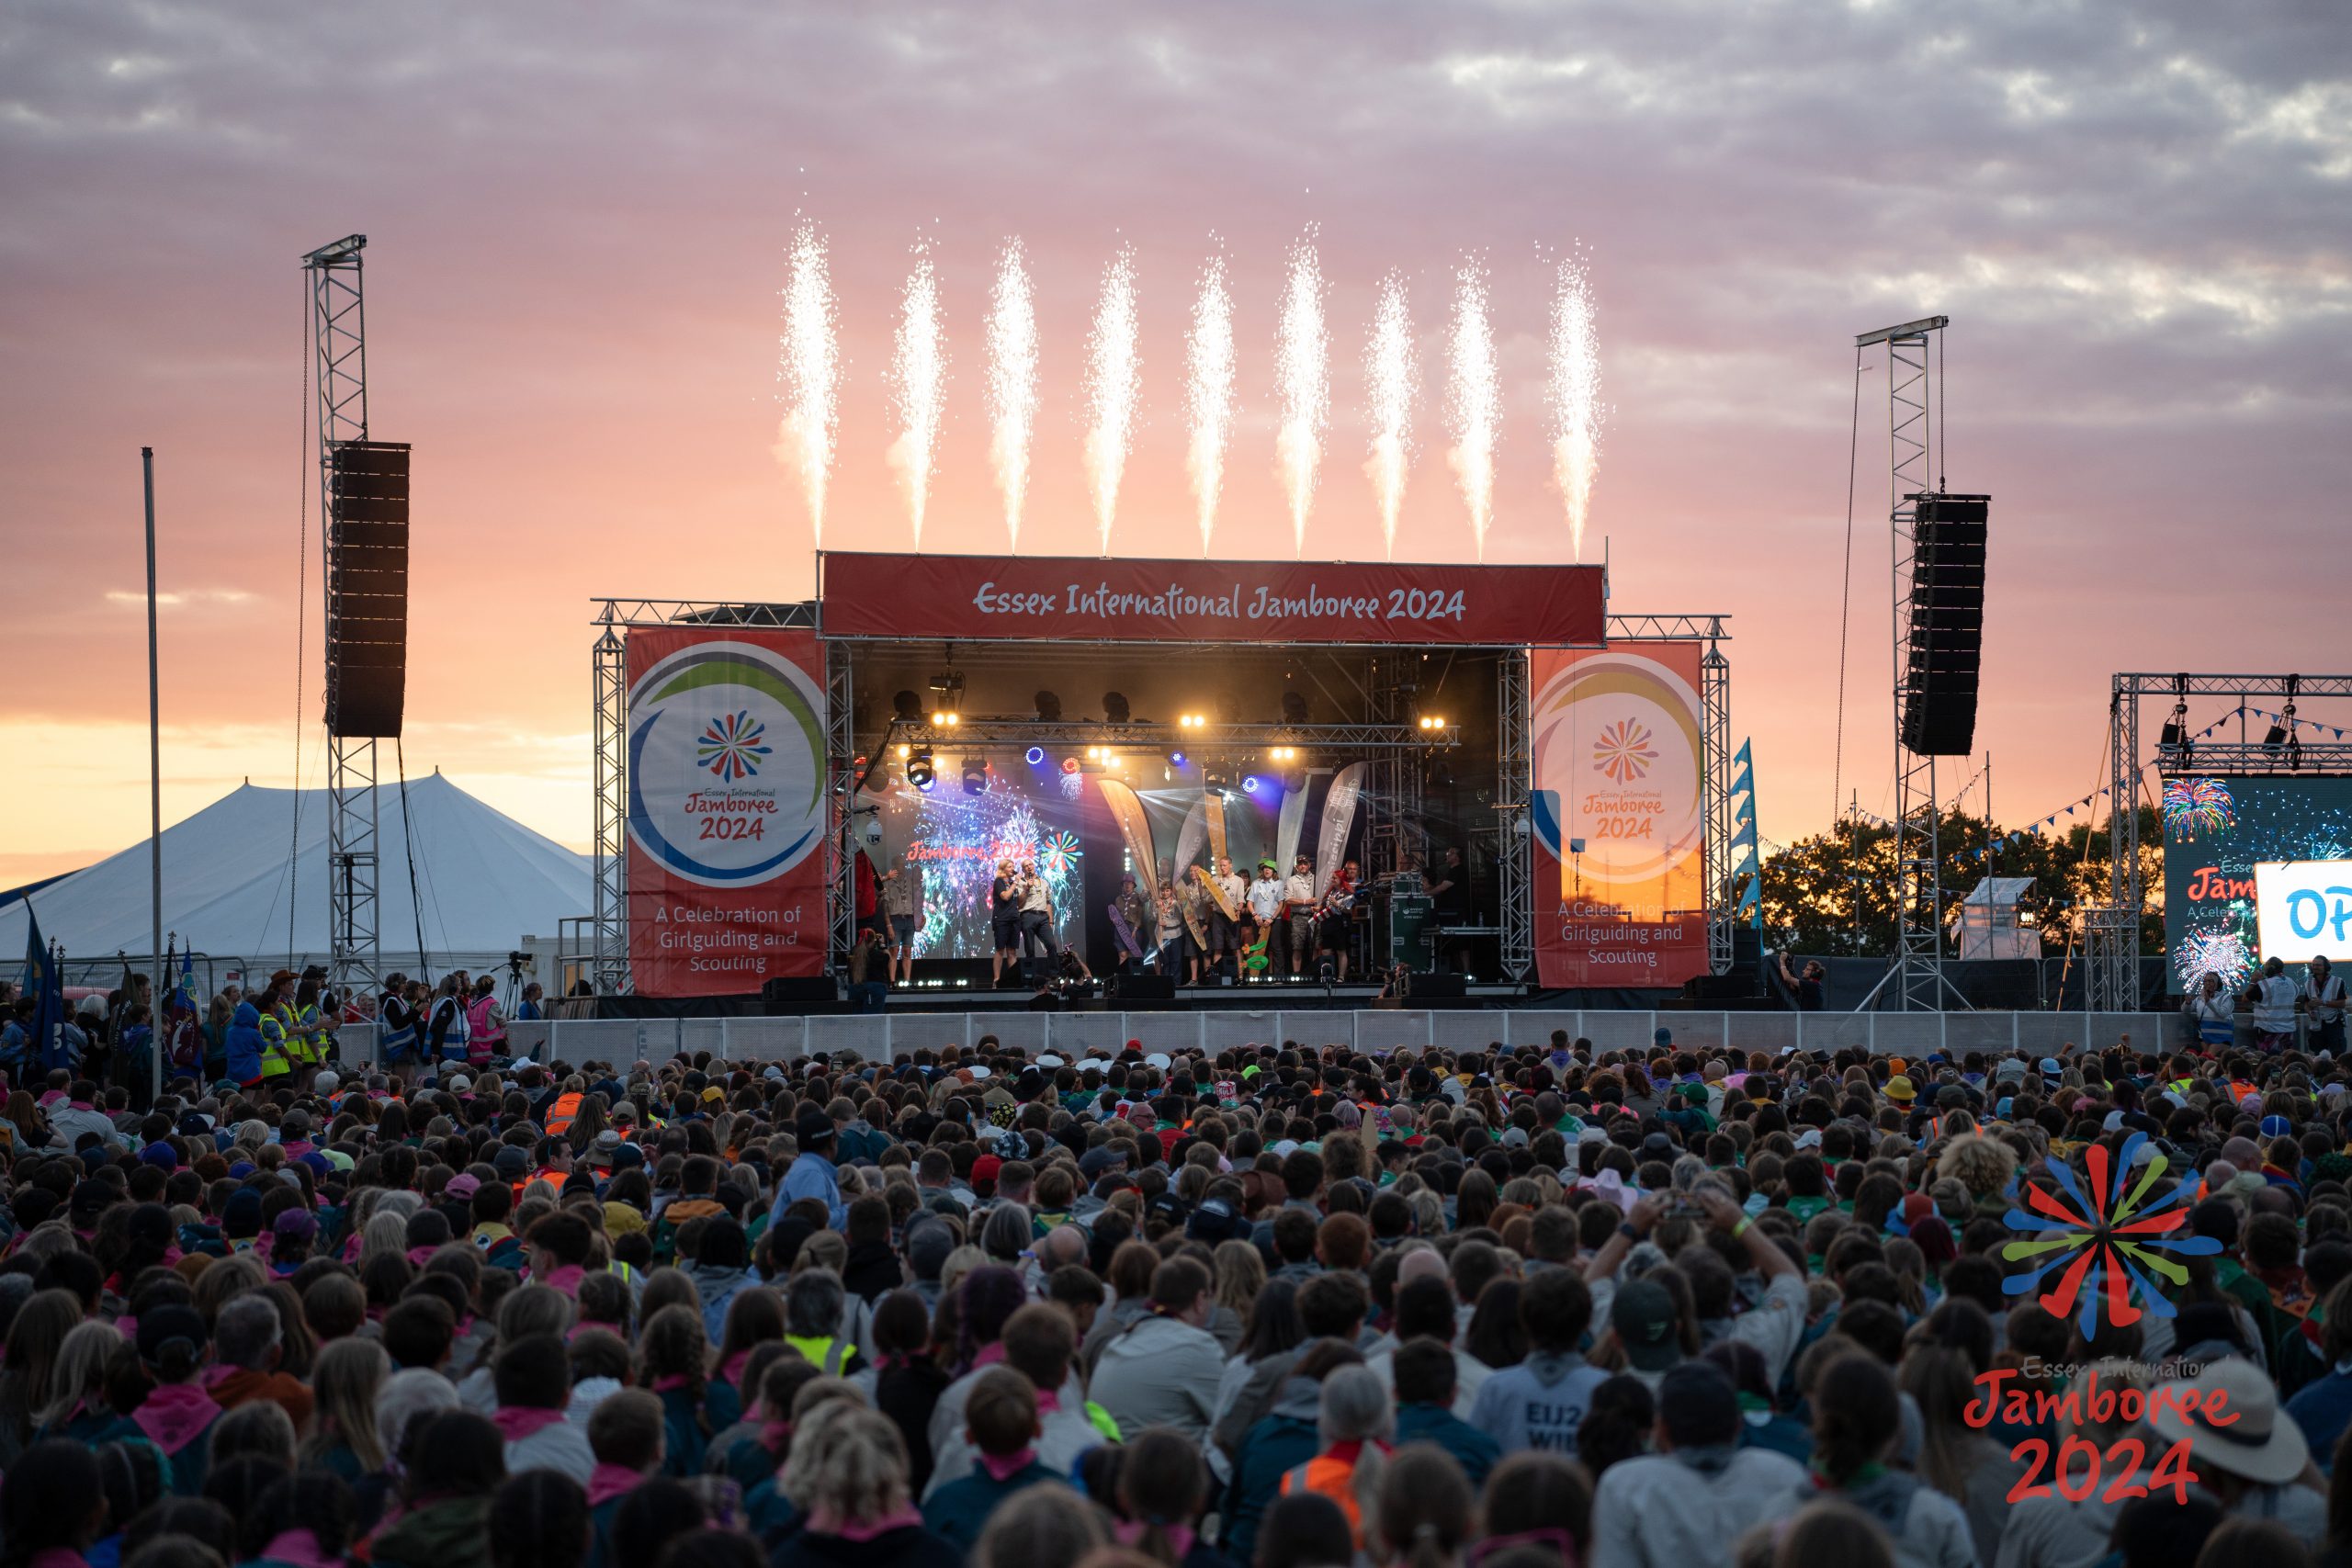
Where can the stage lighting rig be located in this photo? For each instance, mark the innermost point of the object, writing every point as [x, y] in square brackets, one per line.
[907, 708]
[1295, 707]
[976, 776]
[1049, 707]
[1433, 723]
[1034, 755]
[1116, 709]
[919, 773]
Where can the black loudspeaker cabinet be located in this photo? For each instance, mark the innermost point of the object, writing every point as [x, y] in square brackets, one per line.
[1436, 986]
[788, 995]
[1945, 642]
[1144, 987]
[366, 587]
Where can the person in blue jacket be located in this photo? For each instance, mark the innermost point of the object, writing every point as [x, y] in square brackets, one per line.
[243, 1044]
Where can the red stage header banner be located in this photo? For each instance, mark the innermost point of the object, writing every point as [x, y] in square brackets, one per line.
[1040, 598]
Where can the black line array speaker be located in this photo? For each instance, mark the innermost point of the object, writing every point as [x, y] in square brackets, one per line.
[1946, 623]
[366, 587]
[1144, 987]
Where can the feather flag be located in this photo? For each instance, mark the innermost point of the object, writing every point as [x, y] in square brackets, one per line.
[1127, 811]
[1286, 831]
[1215, 806]
[1189, 837]
[1338, 818]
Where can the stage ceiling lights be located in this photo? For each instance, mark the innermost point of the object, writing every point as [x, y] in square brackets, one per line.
[1034, 755]
[1049, 708]
[946, 718]
[976, 776]
[1069, 764]
[1251, 783]
[1175, 759]
[1433, 722]
[918, 770]
[1295, 707]
[907, 708]
[1282, 754]
[1116, 709]
[1192, 721]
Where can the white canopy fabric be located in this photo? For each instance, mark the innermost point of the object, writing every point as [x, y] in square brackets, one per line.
[484, 880]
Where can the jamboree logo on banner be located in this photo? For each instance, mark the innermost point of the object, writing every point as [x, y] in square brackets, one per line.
[726, 765]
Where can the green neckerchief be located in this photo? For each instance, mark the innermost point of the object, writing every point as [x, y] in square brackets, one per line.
[1861, 1477]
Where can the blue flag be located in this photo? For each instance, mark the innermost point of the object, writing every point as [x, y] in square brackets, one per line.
[1739, 758]
[1744, 781]
[46, 988]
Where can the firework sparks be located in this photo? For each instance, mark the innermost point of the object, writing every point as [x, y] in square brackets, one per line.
[918, 386]
[1208, 396]
[2197, 807]
[1392, 377]
[809, 368]
[2200, 953]
[1475, 400]
[1114, 379]
[1574, 397]
[1013, 383]
[1303, 376]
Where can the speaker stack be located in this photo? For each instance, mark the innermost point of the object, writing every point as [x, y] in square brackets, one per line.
[366, 587]
[1946, 623]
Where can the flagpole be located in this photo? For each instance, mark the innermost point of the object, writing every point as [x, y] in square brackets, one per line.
[155, 802]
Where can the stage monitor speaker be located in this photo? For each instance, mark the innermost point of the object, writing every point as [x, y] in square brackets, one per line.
[788, 995]
[1946, 637]
[366, 587]
[1435, 985]
[1144, 987]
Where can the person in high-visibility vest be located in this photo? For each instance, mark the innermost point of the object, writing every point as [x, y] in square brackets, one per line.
[277, 1054]
[446, 1033]
[485, 1025]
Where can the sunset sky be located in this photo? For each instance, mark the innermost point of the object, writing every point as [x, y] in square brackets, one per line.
[2136, 215]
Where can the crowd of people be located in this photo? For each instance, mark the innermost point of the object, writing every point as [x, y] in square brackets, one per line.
[1286, 1306]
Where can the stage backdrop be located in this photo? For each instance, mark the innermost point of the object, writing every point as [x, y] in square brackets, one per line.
[2222, 912]
[1617, 760]
[1039, 598]
[726, 809]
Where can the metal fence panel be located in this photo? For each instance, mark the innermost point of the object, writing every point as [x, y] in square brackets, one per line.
[1166, 1030]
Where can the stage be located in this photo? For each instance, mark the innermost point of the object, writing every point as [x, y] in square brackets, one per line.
[1479, 749]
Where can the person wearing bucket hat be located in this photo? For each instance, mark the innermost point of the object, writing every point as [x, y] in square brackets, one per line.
[2244, 1451]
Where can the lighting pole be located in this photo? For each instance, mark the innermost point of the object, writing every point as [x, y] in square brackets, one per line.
[155, 802]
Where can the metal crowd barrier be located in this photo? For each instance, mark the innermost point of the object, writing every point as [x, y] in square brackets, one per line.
[1076, 1035]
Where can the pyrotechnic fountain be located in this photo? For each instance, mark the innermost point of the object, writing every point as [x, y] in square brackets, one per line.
[1113, 384]
[1475, 400]
[1208, 390]
[1303, 378]
[1391, 377]
[808, 365]
[1574, 397]
[918, 386]
[1013, 383]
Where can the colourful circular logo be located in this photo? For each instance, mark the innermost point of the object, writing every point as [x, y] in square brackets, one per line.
[726, 763]
[1615, 741]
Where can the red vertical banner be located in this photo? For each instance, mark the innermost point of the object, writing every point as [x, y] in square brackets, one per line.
[726, 730]
[1620, 814]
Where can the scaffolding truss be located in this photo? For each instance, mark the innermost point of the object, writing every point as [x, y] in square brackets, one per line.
[339, 342]
[1515, 841]
[1714, 759]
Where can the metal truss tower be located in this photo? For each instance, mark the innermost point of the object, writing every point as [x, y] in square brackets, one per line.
[339, 338]
[1914, 978]
[1515, 852]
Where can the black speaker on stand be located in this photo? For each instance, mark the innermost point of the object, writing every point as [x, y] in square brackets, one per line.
[1946, 643]
[366, 587]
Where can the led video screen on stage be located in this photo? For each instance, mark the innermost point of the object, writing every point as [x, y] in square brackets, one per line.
[953, 840]
[2255, 867]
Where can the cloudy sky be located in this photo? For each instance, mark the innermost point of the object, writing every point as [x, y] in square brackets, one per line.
[2136, 216]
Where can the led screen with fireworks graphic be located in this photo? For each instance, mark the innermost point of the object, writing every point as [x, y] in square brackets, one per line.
[2200, 953]
[956, 841]
[2098, 1249]
[2197, 809]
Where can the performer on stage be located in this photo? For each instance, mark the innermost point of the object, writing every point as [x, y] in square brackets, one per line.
[1223, 939]
[1266, 905]
[1131, 924]
[1037, 919]
[1337, 927]
[1196, 910]
[1004, 920]
[1169, 930]
[902, 905]
[1298, 903]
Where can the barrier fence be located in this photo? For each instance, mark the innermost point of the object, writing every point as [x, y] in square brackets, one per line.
[1076, 1035]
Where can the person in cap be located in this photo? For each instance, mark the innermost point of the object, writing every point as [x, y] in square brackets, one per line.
[1645, 1320]
[2245, 1452]
[811, 1173]
[1698, 1490]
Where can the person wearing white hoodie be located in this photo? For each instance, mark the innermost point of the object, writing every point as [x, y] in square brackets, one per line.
[1540, 1402]
[1163, 1370]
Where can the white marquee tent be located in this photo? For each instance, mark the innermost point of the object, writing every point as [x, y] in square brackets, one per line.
[484, 882]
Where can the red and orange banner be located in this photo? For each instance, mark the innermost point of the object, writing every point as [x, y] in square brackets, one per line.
[1620, 816]
[726, 775]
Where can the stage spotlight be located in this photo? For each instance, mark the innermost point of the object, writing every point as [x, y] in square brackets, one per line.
[905, 750]
[1115, 708]
[907, 707]
[2278, 736]
[976, 776]
[919, 769]
[1430, 721]
[1295, 707]
[1249, 783]
[1049, 708]
[1036, 754]
[1175, 759]
[1069, 764]
[946, 718]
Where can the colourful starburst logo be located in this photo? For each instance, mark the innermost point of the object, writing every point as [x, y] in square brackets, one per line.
[1059, 853]
[2097, 1245]
[730, 746]
[1623, 751]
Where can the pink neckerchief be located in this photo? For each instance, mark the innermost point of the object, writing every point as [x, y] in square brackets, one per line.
[419, 1257]
[219, 1373]
[731, 1371]
[1048, 1403]
[669, 1382]
[78, 1105]
[300, 1548]
[175, 1415]
[990, 1356]
[57, 1557]
[566, 1278]
[775, 1436]
[903, 1517]
[48, 1100]
[607, 1482]
[516, 1422]
[1179, 1537]
[1003, 1467]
